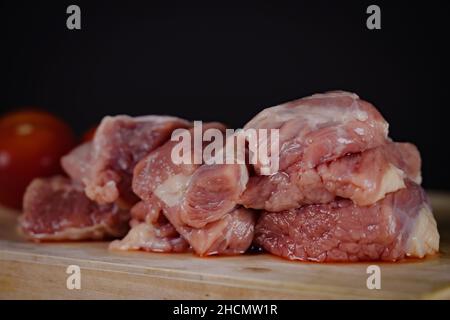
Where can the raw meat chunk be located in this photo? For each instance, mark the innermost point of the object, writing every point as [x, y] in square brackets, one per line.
[199, 200]
[363, 177]
[321, 128]
[150, 231]
[229, 235]
[401, 225]
[178, 184]
[77, 163]
[119, 143]
[57, 209]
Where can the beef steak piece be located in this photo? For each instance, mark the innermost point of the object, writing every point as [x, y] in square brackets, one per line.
[57, 209]
[398, 226]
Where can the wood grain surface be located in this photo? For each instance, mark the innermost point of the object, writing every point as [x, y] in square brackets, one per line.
[38, 271]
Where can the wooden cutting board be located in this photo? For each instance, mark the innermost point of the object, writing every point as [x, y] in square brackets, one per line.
[38, 271]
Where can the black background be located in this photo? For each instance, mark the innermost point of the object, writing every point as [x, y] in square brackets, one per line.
[163, 309]
[224, 61]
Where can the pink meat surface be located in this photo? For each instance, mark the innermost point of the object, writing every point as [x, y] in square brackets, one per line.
[231, 234]
[57, 209]
[151, 231]
[401, 225]
[199, 200]
[78, 162]
[105, 166]
[364, 177]
[321, 128]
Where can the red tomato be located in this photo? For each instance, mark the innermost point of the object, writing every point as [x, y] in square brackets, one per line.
[31, 145]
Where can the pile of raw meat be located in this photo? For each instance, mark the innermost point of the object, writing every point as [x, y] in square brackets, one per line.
[344, 190]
